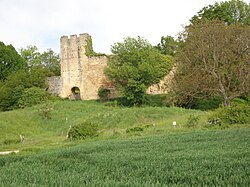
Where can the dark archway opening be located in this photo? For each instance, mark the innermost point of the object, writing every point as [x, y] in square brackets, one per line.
[75, 93]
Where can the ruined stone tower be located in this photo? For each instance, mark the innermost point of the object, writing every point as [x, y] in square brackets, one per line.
[81, 76]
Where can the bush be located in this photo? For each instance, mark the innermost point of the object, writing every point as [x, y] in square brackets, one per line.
[83, 130]
[237, 113]
[32, 96]
[192, 121]
[11, 141]
[207, 103]
[198, 101]
[45, 110]
[134, 129]
[103, 94]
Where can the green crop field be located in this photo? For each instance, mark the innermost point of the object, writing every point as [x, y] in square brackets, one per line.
[207, 158]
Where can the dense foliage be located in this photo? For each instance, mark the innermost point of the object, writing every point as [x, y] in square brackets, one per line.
[237, 113]
[230, 12]
[32, 96]
[135, 65]
[23, 77]
[214, 61]
[48, 60]
[168, 45]
[10, 61]
[13, 88]
[83, 130]
[103, 94]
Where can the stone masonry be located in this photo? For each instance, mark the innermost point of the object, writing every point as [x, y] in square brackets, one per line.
[78, 71]
[81, 75]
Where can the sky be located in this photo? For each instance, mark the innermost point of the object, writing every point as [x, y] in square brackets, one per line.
[43, 22]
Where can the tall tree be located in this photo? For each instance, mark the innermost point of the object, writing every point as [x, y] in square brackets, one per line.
[168, 45]
[10, 60]
[231, 12]
[12, 88]
[51, 61]
[134, 66]
[48, 60]
[214, 60]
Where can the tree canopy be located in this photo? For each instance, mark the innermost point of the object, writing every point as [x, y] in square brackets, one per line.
[10, 61]
[48, 60]
[134, 66]
[25, 75]
[214, 60]
[230, 12]
[168, 45]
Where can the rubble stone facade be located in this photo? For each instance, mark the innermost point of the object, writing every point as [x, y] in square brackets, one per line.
[82, 75]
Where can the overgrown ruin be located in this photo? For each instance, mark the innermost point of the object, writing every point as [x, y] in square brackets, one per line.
[82, 72]
[81, 75]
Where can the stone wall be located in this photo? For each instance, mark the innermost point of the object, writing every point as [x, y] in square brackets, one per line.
[86, 74]
[55, 85]
[79, 70]
[164, 86]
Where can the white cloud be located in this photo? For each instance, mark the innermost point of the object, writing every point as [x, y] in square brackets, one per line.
[43, 22]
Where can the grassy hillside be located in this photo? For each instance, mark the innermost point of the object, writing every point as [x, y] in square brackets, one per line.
[112, 122]
[204, 158]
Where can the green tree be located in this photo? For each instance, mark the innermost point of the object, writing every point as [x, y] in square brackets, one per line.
[48, 60]
[12, 89]
[134, 66]
[32, 96]
[31, 55]
[214, 61]
[231, 12]
[10, 61]
[168, 45]
[51, 61]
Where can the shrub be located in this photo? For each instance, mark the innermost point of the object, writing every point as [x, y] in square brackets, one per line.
[192, 121]
[237, 113]
[45, 110]
[209, 103]
[83, 130]
[32, 96]
[10, 141]
[103, 94]
[134, 129]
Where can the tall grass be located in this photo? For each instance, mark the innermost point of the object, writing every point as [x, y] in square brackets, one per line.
[40, 131]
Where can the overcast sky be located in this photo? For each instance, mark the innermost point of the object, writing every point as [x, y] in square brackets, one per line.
[43, 22]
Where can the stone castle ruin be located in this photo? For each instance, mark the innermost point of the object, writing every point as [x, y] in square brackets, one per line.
[82, 75]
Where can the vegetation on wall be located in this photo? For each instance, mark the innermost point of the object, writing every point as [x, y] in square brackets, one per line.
[157, 144]
[89, 49]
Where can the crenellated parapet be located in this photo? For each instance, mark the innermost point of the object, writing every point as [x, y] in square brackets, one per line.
[82, 71]
[78, 70]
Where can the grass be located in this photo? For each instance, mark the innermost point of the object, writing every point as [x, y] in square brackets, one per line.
[202, 158]
[112, 122]
[135, 147]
